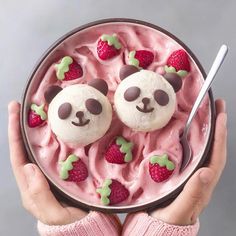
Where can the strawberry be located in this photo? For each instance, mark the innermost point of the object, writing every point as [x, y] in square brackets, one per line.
[73, 169]
[36, 115]
[112, 192]
[119, 152]
[178, 62]
[108, 46]
[68, 69]
[160, 168]
[141, 58]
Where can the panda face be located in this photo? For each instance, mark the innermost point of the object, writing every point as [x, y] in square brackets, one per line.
[79, 114]
[145, 101]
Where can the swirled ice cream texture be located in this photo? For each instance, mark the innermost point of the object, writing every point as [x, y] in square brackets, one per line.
[49, 150]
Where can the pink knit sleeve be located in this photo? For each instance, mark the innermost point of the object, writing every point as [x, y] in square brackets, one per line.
[93, 224]
[142, 224]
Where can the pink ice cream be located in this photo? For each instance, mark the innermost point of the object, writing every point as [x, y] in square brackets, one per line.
[49, 150]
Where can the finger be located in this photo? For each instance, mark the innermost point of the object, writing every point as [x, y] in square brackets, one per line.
[38, 198]
[218, 155]
[16, 146]
[220, 106]
[193, 197]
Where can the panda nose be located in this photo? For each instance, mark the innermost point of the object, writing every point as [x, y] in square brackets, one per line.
[79, 114]
[146, 101]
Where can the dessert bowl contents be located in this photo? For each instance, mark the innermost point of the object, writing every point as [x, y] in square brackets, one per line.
[103, 112]
[79, 113]
[145, 101]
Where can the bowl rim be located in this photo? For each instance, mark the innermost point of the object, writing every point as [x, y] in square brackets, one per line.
[61, 195]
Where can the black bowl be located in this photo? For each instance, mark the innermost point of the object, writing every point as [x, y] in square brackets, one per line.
[59, 193]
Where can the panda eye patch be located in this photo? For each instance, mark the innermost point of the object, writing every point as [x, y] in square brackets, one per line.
[64, 110]
[132, 93]
[161, 97]
[93, 106]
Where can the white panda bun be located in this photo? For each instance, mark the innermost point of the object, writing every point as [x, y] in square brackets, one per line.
[145, 101]
[75, 119]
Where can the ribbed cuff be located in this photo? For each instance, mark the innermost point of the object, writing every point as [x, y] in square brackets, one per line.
[143, 224]
[93, 224]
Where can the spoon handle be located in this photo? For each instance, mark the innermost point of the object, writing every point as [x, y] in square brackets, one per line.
[207, 84]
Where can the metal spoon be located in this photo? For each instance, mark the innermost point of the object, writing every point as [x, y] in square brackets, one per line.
[187, 152]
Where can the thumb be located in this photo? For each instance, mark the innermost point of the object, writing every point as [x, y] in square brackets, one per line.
[194, 197]
[40, 201]
[37, 196]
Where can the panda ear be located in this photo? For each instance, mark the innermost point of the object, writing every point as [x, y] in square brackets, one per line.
[51, 92]
[127, 70]
[100, 85]
[174, 80]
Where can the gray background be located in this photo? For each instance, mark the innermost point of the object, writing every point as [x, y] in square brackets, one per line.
[28, 28]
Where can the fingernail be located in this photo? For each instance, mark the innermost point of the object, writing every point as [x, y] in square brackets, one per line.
[224, 119]
[29, 172]
[13, 106]
[206, 176]
[224, 105]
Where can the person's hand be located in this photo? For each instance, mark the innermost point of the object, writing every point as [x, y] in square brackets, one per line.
[36, 195]
[186, 208]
